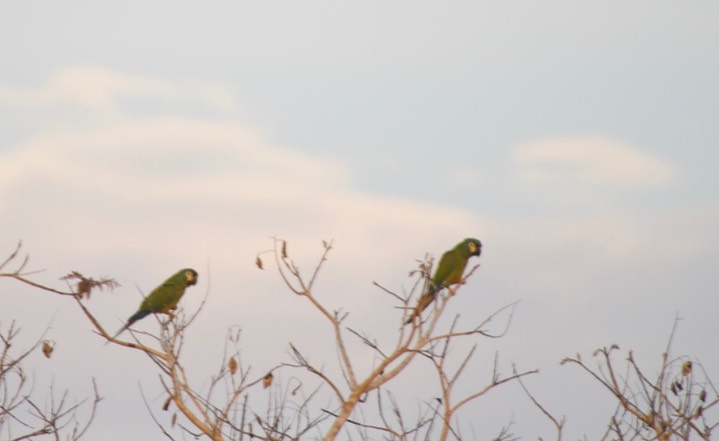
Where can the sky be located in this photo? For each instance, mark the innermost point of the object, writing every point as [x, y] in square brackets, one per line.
[577, 141]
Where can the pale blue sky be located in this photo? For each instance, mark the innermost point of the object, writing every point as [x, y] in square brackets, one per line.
[577, 141]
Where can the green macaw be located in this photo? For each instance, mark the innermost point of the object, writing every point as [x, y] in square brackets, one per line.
[164, 298]
[449, 272]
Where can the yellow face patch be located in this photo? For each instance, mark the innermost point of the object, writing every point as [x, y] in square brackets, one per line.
[189, 276]
[472, 247]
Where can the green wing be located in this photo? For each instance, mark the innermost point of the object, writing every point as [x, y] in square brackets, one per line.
[450, 269]
[165, 297]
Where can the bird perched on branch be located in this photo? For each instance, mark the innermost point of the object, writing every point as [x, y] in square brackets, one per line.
[449, 272]
[164, 298]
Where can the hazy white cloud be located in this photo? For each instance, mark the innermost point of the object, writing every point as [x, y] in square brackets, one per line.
[220, 174]
[98, 89]
[589, 160]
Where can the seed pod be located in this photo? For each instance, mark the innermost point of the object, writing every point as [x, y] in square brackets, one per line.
[267, 381]
[698, 413]
[166, 404]
[687, 368]
[47, 348]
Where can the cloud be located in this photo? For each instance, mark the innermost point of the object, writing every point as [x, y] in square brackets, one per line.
[597, 162]
[99, 90]
[187, 174]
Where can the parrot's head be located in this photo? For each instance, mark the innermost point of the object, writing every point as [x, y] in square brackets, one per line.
[473, 246]
[190, 276]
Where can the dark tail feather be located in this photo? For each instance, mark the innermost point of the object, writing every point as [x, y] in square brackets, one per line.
[424, 301]
[120, 331]
[135, 317]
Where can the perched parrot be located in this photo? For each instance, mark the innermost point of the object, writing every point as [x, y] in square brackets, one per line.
[449, 272]
[164, 298]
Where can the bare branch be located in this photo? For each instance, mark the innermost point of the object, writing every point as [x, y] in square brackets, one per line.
[671, 404]
[558, 423]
